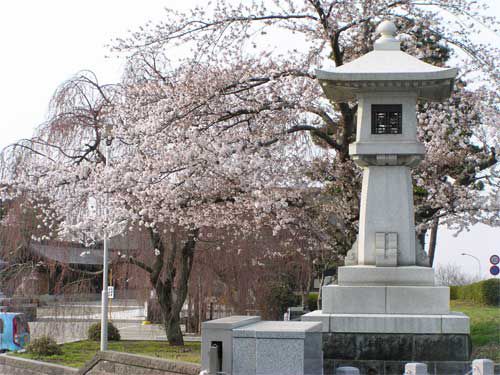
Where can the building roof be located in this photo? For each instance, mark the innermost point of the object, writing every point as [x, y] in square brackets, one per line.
[68, 254]
[76, 253]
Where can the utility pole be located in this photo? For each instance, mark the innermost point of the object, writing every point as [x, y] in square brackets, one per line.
[478, 264]
[105, 260]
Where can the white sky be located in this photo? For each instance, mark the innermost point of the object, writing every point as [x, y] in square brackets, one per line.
[46, 42]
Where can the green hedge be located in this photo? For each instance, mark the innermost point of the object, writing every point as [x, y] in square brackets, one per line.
[43, 346]
[94, 332]
[454, 292]
[486, 292]
[312, 301]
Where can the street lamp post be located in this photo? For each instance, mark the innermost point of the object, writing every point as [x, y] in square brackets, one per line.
[478, 263]
[105, 261]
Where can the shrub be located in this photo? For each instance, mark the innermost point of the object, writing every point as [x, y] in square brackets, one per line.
[453, 292]
[277, 299]
[486, 292]
[94, 332]
[491, 292]
[312, 301]
[44, 346]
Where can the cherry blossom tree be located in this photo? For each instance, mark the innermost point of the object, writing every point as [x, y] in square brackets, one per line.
[152, 184]
[458, 190]
[219, 123]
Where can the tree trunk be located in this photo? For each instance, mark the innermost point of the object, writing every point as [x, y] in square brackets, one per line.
[309, 286]
[189, 314]
[173, 330]
[320, 291]
[171, 317]
[433, 240]
[197, 308]
[170, 278]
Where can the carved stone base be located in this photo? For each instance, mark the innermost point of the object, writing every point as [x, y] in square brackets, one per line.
[375, 276]
[447, 324]
[385, 342]
[383, 299]
[388, 353]
[396, 347]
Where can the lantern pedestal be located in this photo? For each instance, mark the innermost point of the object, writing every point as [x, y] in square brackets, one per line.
[386, 341]
[339, 299]
[379, 314]
[386, 207]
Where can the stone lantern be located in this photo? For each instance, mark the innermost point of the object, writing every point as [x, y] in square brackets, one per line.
[386, 292]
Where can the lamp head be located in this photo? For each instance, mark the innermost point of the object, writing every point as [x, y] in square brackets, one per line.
[108, 134]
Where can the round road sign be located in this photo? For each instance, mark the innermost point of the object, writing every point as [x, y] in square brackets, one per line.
[494, 259]
[494, 270]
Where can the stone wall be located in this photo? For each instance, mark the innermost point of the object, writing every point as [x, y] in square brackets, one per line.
[387, 353]
[109, 362]
[10, 365]
[104, 363]
[397, 347]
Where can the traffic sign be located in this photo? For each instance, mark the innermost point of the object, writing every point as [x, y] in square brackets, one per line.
[111, 292]
[494, 259]
[494, 270]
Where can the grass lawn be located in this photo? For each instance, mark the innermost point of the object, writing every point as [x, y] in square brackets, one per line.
[76, 354]
[484, 328]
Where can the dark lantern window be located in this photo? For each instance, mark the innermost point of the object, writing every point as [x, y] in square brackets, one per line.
[387, 118]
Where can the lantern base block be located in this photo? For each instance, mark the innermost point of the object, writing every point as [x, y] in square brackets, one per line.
[386, 342]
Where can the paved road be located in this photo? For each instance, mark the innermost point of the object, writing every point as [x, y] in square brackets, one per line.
[69, 331]
[67, 322]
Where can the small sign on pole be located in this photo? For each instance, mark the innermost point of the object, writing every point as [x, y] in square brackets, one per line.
[111, 292]
[494, 270]
[494, 259]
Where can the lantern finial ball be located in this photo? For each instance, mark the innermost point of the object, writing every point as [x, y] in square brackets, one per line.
[387, 40]
[387, 29]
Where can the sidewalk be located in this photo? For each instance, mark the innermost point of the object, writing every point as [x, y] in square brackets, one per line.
[154, 332]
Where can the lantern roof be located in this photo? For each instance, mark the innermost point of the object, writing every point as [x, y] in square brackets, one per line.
[387, 68]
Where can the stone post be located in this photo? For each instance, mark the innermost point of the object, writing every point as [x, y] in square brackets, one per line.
[213, 360]
[347, 370]
[482, 367]
[416, 369]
